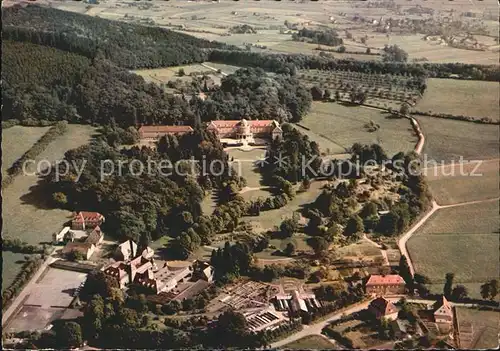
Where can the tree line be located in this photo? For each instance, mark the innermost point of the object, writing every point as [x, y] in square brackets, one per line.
[289, 63]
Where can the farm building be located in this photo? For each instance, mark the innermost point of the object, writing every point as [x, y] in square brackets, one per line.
[443, 311]
[153, 133]
[296, 301]
[95, 237]
[85, 249]
[264, 319]
[126, 250]
[86, 220]
[382, 308]
[379, 285]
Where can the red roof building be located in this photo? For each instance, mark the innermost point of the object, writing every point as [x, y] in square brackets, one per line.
[382, 308]
[379, 285]
[84, 220]
[153, 133]
[244, 129]
[443, 311]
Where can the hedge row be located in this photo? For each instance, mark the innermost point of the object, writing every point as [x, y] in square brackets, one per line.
[284, 330]
[480, 120]
[28, 122]
[343, 340]
[27, 271]
[19, 246]
[37, 148]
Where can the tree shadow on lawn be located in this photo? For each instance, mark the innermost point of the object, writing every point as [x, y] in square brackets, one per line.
[39, 195]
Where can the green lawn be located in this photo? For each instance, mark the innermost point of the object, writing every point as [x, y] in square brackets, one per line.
[311, 342]
[345, 125]
[16, 141]
[25, 209]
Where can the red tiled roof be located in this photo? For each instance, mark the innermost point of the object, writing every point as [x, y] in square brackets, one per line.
[87, 216]
[76, 246]
[165, 129]
[383, 306]
[232, 123]
[390, 279]
[94, 236]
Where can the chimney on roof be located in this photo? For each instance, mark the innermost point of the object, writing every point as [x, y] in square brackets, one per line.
[131, 248]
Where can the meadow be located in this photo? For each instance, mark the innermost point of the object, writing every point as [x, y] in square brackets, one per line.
[456, 188]
[315, 342]
[486, 326]
[25, 209]
[462, 240]
[346, 125]
[461, 97]
[16, 141]
[447, 140]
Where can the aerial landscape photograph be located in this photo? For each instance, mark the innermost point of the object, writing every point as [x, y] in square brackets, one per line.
[250, 174]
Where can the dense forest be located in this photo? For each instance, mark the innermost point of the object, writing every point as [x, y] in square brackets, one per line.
[148, 201]
[126, 45]
[329, 37]
[44, 83]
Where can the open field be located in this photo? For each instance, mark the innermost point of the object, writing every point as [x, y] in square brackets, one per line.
[315, 342]
[418, 48]
[447, 140]
[456, 188]
[462, 240]
[26, 214]
[16, 141]
[459, 97]
[228, 69]
[485, 324]
[345, 125]
[298, 239]
[213, 20]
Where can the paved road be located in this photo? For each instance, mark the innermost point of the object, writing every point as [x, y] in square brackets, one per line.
[315, 329]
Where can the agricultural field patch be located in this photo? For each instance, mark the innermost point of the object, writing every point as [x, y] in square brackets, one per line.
[314, 342]
[447, 140]
[461, 98]
[418, 48]
[16, 141]
[462, 240]
[346, 125]
[485, 324]
[26, 212]
[449, 186]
